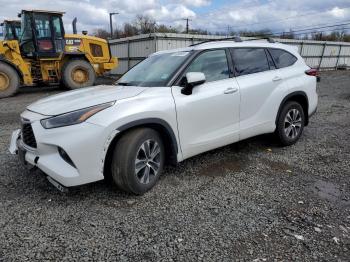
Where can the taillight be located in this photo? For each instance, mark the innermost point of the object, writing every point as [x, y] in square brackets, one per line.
[312, 72]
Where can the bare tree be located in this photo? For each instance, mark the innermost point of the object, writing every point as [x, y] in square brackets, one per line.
[101, 33]
[145, 24]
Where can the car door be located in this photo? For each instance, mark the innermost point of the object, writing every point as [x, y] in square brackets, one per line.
[260, 85]
[209, 117]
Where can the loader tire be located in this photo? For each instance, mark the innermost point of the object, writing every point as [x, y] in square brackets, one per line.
[9, 80]
[78, 73]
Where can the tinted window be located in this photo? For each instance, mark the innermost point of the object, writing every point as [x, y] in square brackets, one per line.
[212, 63]
[249, 60]
[269, 59]
[282, 58]
[42, 26]
[56, 22]
[96, 50]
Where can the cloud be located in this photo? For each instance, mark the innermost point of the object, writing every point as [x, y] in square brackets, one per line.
[196, 3]
[274, 14]
[338, 12]
[247, 14]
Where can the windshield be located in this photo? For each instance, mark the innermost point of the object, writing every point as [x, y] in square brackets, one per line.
[154, 71]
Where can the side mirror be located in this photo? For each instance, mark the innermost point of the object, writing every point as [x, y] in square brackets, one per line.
[192, 79]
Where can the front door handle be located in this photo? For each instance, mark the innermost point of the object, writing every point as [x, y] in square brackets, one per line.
[231, 90]
[276, 78]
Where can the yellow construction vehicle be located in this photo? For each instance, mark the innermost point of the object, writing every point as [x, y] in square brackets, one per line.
[44, 54]
[11, 29]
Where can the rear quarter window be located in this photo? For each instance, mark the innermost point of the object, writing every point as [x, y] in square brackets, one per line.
[282, 58]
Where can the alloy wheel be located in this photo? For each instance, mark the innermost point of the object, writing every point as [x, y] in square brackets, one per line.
[292, 123]
[148, 160]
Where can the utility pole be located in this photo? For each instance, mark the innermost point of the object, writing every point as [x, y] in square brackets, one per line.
[110, 22]
[187, 26]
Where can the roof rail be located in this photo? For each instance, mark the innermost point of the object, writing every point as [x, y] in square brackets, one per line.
[269, 39]
[236, 39]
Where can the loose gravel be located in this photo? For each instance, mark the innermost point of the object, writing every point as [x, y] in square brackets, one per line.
[251, 201]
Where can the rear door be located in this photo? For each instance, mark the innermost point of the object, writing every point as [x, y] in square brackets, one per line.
[209, 117]
[260, 85]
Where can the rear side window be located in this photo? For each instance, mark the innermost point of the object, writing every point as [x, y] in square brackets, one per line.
[282, 58]
[249, 60]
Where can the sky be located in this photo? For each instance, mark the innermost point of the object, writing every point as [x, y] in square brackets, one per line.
[211, 15]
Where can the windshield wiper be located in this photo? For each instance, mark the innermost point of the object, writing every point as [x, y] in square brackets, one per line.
[123, 83]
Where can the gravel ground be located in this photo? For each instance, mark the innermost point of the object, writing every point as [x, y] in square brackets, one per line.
[251, 201]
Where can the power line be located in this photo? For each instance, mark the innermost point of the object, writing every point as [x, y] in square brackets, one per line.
[302, 33]
[313, 28]
[323, 31]
[281, 19]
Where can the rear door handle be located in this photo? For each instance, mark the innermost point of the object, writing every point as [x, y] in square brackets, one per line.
[231, 90]
[276, 78]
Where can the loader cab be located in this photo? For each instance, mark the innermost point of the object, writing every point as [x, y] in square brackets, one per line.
[42, 34]
[11, 29]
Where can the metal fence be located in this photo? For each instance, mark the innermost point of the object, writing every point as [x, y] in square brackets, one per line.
[131, 50]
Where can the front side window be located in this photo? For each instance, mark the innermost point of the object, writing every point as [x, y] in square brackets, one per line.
[249, 60]
[212, 63]
[26, 39]
[154, 71]
[26, 29]
[282, 58]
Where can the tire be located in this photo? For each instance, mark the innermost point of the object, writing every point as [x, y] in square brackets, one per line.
[127, 151]
[290, 123]
[78, 73]
[9, 80]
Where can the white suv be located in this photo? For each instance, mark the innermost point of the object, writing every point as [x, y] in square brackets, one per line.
[173, 105]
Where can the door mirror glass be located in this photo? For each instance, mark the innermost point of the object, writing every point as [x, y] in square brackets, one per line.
[192, 79]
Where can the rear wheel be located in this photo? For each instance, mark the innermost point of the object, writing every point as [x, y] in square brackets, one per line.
[290, 124]
[78, 73]
[138, 160]
[9, 81]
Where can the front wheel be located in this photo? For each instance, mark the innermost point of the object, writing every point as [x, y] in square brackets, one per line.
[290, 123]
[78, 73]
[138, 160]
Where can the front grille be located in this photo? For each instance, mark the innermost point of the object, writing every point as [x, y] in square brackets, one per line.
[28, 135]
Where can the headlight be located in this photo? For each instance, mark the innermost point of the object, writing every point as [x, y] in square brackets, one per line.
[74, 117]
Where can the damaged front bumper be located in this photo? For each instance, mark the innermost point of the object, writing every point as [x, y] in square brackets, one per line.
[26, 158]
[70, 156]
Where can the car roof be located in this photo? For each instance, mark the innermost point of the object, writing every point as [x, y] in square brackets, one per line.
[226, 44]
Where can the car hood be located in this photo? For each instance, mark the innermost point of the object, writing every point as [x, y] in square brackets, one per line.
[82, 98]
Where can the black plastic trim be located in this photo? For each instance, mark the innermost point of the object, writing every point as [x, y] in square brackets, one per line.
[152, 121]
[289, 96]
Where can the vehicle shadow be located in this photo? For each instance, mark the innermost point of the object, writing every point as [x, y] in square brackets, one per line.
[243, 148]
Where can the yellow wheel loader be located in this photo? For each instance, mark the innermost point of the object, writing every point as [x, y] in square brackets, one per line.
[44, 54]
[11, 29]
